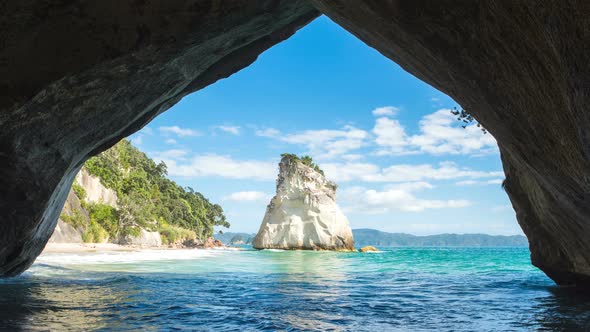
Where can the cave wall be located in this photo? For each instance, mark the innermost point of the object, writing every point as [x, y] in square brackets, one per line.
[77, 76]
[521, 69]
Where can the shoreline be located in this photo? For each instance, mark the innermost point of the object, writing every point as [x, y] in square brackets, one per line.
[53, 248]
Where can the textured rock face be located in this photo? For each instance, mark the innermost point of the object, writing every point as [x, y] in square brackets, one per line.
[145, 239]
[77, 76]
[66, 233]
[303, 214]
[95, 191]
[521, 68]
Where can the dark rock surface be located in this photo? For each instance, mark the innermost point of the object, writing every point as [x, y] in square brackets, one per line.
[77, 76]
[522, 69]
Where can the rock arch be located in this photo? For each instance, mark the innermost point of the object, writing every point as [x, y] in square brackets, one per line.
[77, 76]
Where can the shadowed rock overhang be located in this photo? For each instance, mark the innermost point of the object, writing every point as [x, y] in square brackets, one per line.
[78, 76]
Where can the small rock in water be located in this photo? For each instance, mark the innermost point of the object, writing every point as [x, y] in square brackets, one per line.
[213, 243]
[368, 249]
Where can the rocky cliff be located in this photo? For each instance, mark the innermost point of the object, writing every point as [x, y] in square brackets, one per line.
[303, 214]
[95, 191]
[77, 217]
[77, 76]
[74, 219]
[122, 196]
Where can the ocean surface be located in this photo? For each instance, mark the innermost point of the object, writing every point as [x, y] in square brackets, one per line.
[399, 289]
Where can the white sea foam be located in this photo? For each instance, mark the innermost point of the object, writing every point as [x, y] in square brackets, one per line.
[124, 256]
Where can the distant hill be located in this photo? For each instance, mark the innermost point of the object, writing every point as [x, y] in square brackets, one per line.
[230, 238]
[367, 236]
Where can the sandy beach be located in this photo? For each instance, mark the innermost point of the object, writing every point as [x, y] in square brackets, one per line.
[112, 247]
[89, 247]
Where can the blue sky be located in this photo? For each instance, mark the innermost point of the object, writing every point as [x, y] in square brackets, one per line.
[401, 160]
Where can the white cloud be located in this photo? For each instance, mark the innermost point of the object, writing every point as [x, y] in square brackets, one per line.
[213, 165]
[367, 172]
[440, 133]
[182, 132]
[410, 186]
[176, 154]
[234, 130]
[385, 111]
[481, 183]
[247, 196]
[326, 143]
[398, 197]
[351, 157]
[390, 136]
[323, 143]
[268, 132]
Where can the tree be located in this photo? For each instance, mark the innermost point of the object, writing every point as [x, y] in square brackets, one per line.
[305, 160]
[466, 118]
[147, 199]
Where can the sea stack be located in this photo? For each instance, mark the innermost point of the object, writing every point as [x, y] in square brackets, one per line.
[303, 214]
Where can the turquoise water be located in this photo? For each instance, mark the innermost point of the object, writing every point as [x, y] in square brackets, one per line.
[399, 289]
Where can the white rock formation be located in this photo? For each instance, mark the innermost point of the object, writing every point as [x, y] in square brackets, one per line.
[95, 191]
[145, 239]
[303, 214]
[65, 233]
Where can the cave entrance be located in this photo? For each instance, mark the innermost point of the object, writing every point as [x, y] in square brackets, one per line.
[402, 160]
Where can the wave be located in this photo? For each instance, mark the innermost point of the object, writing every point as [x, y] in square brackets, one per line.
[143, 255]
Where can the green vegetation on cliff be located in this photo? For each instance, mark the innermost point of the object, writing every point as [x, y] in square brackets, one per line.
[305, 160]
[146, 199]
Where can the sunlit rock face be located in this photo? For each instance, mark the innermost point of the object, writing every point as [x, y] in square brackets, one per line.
[64, 232]
[145, 239]
[521, 69]
[77, 76]
[303, 214]
[96, 192]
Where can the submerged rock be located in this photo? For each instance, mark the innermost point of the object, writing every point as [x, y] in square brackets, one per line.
[303, 214]
[368, 249]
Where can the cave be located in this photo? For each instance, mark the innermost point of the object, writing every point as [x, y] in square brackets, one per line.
[76, 77]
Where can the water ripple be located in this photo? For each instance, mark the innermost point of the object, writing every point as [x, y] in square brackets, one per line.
[400, 290]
